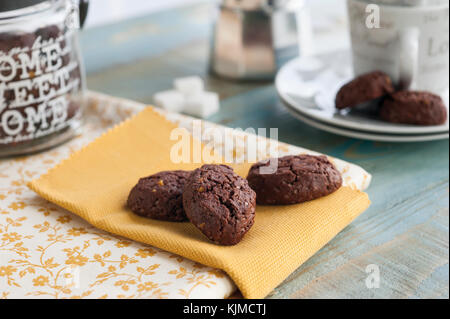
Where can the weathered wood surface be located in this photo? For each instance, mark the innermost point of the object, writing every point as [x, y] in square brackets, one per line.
[405, 231]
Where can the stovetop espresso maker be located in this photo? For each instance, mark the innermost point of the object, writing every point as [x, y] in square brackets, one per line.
[253, 38]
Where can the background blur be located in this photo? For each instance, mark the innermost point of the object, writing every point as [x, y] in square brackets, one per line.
[107, 11]
[325, 16]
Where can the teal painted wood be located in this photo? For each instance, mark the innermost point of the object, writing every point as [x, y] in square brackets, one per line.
[405, 231]
[127, 41]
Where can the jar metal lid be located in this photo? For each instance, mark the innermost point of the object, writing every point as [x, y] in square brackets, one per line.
[10, 5]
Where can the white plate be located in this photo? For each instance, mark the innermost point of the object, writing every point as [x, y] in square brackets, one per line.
[309, 85]
[366, 136]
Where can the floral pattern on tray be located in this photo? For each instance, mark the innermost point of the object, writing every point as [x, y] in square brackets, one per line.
[47, 252]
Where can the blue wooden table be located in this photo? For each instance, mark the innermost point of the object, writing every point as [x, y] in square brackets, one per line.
[405, 231]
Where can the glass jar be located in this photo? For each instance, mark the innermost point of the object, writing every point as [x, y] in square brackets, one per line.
[42, 81]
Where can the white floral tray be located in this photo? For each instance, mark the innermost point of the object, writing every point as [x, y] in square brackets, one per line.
[47, 252]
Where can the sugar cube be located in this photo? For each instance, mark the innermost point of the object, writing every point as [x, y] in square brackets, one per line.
[202, 105]
[189, 85]
[171, 100]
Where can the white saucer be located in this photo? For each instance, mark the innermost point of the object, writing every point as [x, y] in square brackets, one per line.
[309, 85]
[365, 135]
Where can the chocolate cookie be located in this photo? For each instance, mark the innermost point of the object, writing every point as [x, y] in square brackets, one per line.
[297, 179]
[159, 196]
[219, 203]
[414, 107]
[364, 88]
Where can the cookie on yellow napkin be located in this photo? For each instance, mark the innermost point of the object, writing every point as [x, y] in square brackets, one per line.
[94, 183]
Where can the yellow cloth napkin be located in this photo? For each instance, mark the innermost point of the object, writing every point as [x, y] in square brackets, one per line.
[94, 183]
